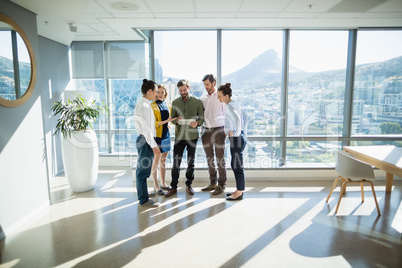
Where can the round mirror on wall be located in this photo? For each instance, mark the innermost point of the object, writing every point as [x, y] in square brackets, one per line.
[17, 64]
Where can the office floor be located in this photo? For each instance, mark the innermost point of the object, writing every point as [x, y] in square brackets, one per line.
[278, 224]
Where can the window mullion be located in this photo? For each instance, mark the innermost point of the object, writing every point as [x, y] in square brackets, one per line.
[284, 95]
[349, 85]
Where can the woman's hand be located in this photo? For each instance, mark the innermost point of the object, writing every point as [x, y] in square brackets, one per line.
[166, 121]
[170, 119]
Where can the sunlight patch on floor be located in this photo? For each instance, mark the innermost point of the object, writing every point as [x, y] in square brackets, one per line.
[354, 206]
[72, 208]
[292, 189]
[121, 190]
[10, 264]
[224, 229]
[109, 184]
[281, 247]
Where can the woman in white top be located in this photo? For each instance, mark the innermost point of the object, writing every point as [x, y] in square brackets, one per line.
[147, 147]
[235, 123]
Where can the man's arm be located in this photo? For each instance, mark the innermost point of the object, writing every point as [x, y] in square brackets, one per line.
[200, 113]
[174, 113]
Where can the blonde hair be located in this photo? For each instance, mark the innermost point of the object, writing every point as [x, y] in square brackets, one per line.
[163, 86]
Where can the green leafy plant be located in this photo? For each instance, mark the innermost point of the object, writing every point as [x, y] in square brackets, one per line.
[76, 115]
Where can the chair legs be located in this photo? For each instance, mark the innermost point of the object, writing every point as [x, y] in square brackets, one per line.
[333, 187]
[345, 182]
[343, 190]
[375, 198]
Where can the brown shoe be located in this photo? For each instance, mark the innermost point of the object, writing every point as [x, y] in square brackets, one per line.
[220, 189]
[209, 187]
[189, 190]
[171, 192]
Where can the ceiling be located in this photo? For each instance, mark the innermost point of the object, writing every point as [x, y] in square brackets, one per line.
[117, 19]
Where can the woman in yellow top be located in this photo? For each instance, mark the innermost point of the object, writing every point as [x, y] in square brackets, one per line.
[162, 138]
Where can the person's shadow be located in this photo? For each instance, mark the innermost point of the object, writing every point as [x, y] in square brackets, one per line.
[127, 249]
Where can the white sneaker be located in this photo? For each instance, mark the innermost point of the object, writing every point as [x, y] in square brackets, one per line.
[150, 203]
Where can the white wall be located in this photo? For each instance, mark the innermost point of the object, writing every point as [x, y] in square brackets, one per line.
[23, 174]
[55, 76]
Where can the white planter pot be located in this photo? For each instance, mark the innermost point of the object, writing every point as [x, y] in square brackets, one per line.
[81, 160]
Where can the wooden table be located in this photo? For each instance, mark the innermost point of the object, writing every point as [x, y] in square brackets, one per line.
[384, 157]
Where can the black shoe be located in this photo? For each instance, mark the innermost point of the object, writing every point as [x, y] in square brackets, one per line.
[160, 192]
[164, 188]
[229, 198]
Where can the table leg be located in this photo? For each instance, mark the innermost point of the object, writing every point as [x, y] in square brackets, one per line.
[388, 182]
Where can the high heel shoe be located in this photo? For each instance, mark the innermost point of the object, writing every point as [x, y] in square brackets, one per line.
[229, 198]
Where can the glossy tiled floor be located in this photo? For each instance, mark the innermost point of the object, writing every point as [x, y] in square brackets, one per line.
[278, 224]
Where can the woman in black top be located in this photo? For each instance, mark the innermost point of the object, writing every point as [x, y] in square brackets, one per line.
[162, 118]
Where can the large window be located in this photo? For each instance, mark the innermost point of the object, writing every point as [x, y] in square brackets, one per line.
[377, 108]
[114, 71]
[316, 94]
[297, 118]
[317, 72]
[252, 63]
[184, 55]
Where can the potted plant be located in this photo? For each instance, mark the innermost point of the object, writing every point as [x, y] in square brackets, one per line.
[79, 143]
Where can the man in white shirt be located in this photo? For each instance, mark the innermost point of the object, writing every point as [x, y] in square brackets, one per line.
[213, 137]
[144, 121]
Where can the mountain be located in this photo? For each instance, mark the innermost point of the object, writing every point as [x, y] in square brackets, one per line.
[266, 68]
[261, 70]
[7, 74]
[389, 69]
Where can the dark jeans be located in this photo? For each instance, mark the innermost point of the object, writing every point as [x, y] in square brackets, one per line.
[178, 149]
[144, 166]
[237, 145]
[213, 141]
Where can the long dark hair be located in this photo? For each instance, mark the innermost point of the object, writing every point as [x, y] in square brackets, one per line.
[147, 85]
[225, 89]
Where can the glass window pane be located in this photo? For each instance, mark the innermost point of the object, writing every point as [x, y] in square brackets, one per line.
[87, 59]
[185, 55]
[317, 73]
[125, 95]
[102, 142]
[311, 153]
[97, 86]
[125, 60]
[252, 63]
[377, 100]
[261, 154]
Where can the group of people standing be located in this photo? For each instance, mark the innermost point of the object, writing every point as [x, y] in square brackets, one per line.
[215, 113]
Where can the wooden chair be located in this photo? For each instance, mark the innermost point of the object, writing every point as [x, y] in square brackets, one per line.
[351, 170]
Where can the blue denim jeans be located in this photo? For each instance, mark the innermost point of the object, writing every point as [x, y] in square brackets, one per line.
[237, 145]
[144, 166]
